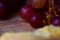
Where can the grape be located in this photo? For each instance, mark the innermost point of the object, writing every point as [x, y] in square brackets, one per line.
[37, 3]
[36, 20]
[26, 12]
[56, 21]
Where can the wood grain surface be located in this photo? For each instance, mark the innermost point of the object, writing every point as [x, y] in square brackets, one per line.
[15, 24]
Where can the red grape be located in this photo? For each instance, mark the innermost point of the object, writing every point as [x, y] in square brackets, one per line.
[56, 21]
[37, 3]
[26, 12]
[36, 20]
[3, 9]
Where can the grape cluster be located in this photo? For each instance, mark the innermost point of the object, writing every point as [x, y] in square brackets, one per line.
[37, 12]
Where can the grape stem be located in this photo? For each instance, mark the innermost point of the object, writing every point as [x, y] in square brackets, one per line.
[50, 10]
[53, 8]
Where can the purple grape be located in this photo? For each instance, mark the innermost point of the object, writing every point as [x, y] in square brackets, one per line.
[56, 21]
[37, 19]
